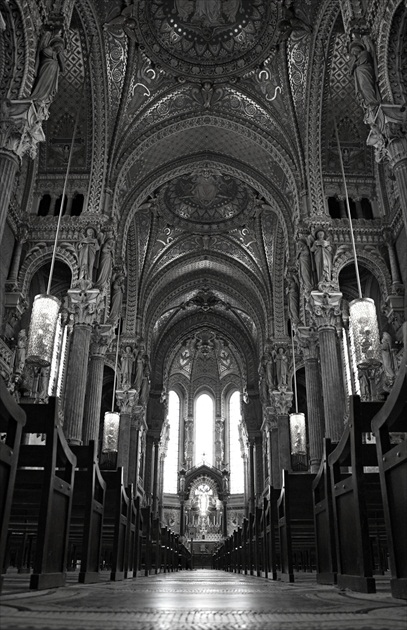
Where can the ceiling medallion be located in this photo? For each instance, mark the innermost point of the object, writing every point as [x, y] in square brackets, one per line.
[207, 39]
[206, 201]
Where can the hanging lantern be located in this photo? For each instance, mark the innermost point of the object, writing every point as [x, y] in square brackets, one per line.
[298, 434]
[111, 425]
[364, 332]
[43, 325]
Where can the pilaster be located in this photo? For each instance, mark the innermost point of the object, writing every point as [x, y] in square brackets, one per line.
[282, 402]
[126, 401]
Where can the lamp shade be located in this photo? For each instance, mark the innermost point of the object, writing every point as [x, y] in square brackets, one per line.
[298, 435]
[364, 332]
[111, 424]
[43, 324]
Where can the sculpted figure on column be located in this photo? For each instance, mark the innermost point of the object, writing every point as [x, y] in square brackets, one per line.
[305, 264]
[117, 297]
[51, 63]
[362, 66]
[281, 360]
[105, 263]
[87, 254]
[126, 366]
[322, 250]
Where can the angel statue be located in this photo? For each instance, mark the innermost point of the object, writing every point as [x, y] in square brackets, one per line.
[50, 64]
[322, 250]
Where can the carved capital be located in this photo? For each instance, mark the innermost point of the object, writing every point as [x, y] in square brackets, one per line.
[325, 308]
[85, 305]
[308, 341]
[21, 127]
[126, 400]
[102, 337]
[282, 402]
[388, 134]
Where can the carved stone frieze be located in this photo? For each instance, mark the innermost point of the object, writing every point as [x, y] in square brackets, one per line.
[126, 401]
[102, 337]
[325, 308]
[307, 339]
[85, 305]
[282, 402]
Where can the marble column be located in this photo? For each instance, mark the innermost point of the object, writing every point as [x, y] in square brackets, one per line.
[156, 463]
[252, 487]
[308, 342]
[12, 280]
[84, 305]
[326, 308]
[283, 401]
[101, 339]
[126, 401]
[20, 133]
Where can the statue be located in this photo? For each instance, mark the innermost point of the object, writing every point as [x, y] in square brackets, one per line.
[21, 352]
[362, 66]
[305, 264]
[141, 361]
[117, 297]
[263, 389]
[281, 361]
[293, 293]
[126, 367]
[51, 63]
[145, 389]
[387, 358]
[87, 254]
[322, 250]
[42, 384]
[105, 264]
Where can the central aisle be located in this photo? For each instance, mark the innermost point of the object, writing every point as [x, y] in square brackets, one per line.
[201, 600]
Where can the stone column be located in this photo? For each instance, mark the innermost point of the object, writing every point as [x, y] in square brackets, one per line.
[126, 402]
[101, 339]
[137, 427]
[252, 486]
[156, 460]
[326, 308]
[308, 342]
[274, 458]
[12, 280]
[282, 404]
[20, 132]
[84, 305]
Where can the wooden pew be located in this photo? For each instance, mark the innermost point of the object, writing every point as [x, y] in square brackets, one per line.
[354, 495]
[12, 421]
[130, 552]
[43, 494]
[146, 551]
[392, 461]
[87, 512]
[324, 521]
[115, 522]
[295, 520]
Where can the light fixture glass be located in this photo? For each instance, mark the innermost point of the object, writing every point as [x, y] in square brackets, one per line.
[111, 424]
[298, 434]
[43, 325]
[364, 332]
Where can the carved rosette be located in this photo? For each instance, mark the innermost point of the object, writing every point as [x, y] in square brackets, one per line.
[85, 305]
[20, 128]
[308, 341]
[126, 401]
[325, 308]
[282, 402]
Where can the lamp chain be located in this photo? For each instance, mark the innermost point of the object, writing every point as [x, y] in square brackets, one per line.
[116, 363]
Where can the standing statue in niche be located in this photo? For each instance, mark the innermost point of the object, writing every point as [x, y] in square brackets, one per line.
[322, 250]
[21, 352]
[43, 384]
[305, 264]
[142, 368]
[362, 67]
[281, 361]
[51, 63]
[117, 298]
[387, 358]
[293, 294]
[88, 248]
[126, 367]
[105, 264]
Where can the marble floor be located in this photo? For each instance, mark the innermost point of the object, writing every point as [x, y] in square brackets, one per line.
[199, 600]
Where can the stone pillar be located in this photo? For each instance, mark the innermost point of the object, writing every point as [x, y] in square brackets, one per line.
[137, 427]
[20, 132]
[258, 463]
[126, 402]
[326, 308]
[225, 519]
[101, 339]
[12, 280]
[308, 341]
[156, 460]
[84, 305]
[252, 486]
[342, 207]
[69, 206]
[51, 209]
[282, 404]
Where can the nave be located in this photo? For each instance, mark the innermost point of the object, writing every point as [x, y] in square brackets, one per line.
[201, 599]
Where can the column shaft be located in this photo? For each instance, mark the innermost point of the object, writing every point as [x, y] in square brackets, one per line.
[332, 383]
[252, 499]
[155, 476]
[9, 165]
[315, 413]
[93, 400]
[284, 450]
[76, 382]
[124, 446]
[275, 459]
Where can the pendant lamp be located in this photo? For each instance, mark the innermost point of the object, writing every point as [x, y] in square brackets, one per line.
[111, 420]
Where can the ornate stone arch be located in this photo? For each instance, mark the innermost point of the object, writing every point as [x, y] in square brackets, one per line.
[375, 264]
[37, 257]
[385, 48]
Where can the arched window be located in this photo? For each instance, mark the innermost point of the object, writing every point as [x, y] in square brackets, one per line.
[204, 425]
[236, 460]
[171, 460]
